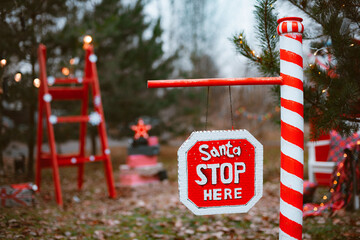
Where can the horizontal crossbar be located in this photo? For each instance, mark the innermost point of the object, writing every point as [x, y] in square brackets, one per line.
[70, 119]
[66, 93]
[69, 160]
[214, 82]
[72, 80]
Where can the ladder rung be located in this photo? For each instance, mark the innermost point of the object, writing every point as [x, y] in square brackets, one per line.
[72, 80]
[70, 119]
[66, 93]
[69, 160]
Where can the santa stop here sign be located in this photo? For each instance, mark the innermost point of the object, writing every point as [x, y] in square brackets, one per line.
[220, 172]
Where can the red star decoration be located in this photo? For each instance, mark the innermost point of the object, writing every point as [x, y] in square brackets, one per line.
[141, 129]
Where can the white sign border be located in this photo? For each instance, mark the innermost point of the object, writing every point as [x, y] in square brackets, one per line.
[219, 135]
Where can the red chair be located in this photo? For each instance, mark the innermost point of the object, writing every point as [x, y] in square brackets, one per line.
[319, 168]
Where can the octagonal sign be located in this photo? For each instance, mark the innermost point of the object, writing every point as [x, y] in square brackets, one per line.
[220, 172]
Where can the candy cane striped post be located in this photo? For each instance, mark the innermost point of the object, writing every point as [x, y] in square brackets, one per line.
[292, 128]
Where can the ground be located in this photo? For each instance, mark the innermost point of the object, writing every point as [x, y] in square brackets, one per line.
[154, 211]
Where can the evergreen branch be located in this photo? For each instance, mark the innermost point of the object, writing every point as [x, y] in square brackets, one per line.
[267, 60]
[243, 47]
[304, 9]
[312, 38]
[267, 37]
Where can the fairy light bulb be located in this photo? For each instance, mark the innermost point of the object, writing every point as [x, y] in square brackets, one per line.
[3, 62]
[335, 182]
[323, 91]
[17, 77]
[315, 208]
[87, 39]
[345, 155]
[72, 61]
[36, 82]
[321, 204]
[65, 71]
[324, 197]
[338, 174]
[332, 190]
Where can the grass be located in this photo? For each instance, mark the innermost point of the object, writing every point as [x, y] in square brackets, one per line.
[154, 212]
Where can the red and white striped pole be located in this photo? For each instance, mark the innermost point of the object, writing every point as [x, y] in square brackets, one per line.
[292, 128]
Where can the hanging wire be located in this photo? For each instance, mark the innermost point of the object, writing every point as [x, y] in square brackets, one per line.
[231, 109]
[207, 106]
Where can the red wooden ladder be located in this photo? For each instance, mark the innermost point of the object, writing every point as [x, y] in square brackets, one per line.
[48, 93]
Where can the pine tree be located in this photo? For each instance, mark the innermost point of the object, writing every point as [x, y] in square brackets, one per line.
[331, 94]
[23, 24]
[130, 51]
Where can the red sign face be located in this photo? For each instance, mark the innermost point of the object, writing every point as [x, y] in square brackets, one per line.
[220, 172]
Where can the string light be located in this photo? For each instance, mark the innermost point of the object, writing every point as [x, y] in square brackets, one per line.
[36, 82]
[351, 45]
[3, 62]
[274, 36]
[240, 36]
[323, 91]
[17, 77]
[240, 42]
[87, 39]
[72, 61]
[319, 73]
[317, 50]
[332, 189]
[65, 71]
[253, 52]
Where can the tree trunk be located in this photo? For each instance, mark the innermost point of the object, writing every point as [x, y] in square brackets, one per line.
[2, 172]
[2, 143]
[31, 140]
[31, 126]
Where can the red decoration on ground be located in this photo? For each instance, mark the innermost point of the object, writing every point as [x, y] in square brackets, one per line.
[141, 130]
[17, 195]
